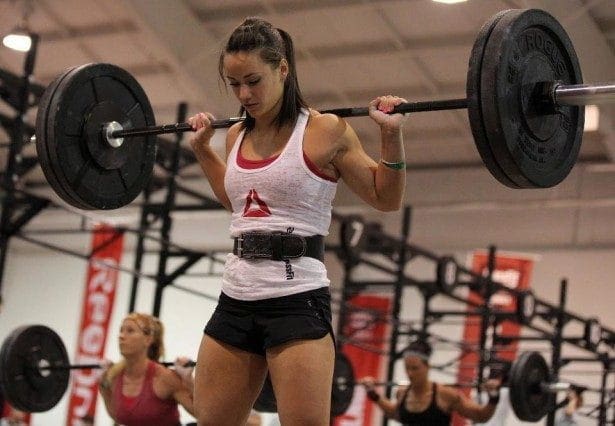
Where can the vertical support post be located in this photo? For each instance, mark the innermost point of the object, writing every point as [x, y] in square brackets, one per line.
[167, 221]
[556, 341]
[427, 313]
[140, 249]
[14, 157]
[486, 318]
[611, 369]
[397, 297]
[606, 365]
[347, 293]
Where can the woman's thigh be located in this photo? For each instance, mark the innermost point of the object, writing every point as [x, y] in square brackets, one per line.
[302, 373]
[227, 382]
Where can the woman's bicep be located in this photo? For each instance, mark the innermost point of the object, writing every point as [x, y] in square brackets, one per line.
[355, 167]
[184, 397]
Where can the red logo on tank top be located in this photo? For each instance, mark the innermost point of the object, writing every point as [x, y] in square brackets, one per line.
[259, 210]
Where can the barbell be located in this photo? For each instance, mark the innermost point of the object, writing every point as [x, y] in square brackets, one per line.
[34, 375]
[95, 125]
[34, 368]
[532, 393]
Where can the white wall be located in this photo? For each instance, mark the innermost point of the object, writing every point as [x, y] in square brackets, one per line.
[44, 287]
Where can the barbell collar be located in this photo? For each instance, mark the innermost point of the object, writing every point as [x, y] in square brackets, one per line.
[109, 129]
[584, 94]
[556, 387]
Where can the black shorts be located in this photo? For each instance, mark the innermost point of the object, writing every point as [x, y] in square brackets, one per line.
[257, 325]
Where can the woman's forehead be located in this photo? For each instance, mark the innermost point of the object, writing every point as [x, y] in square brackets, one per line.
[241, 64]
[130, 322]
[412, 360]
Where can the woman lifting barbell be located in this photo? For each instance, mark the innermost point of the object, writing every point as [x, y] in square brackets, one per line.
[139, 391]
[424, 402]
[279, 179]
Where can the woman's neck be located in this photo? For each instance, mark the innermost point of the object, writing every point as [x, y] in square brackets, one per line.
[136, 366]
[267, 121]
[421, 387]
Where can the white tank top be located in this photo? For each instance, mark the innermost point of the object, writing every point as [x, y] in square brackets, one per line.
[283, 196]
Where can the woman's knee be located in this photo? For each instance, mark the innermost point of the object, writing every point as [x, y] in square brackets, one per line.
[305, 416]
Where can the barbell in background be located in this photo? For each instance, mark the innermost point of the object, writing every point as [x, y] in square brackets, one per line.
[95, 124]
[34, 368]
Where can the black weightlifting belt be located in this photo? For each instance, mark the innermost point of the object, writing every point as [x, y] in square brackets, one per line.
[278, 246]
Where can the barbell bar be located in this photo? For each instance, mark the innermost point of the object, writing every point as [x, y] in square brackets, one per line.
[34, 375]
[523, 95]
[111, 132]
[572, 94]
[97, 366]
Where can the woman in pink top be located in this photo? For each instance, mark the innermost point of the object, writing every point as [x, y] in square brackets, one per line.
[138, 391]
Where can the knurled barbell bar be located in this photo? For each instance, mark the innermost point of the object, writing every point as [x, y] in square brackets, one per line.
[34, 375]
[524, 89]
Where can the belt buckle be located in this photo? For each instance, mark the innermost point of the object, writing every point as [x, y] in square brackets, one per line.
[242, 253]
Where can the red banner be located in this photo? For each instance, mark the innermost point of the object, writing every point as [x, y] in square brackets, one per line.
[513, 271]
[369, 337]
[98, 299]
[12, 416]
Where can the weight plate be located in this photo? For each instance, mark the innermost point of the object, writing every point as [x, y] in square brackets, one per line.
[266, 403]
[81, 161]
[23, 384]
[41, 142]
[341, 391]
[528, 399]
[343, 385]
[473, 93]
[535, 145]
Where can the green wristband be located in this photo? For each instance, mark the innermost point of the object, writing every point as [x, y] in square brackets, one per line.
[401, 165]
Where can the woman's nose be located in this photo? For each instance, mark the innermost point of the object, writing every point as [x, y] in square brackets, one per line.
[244, 92]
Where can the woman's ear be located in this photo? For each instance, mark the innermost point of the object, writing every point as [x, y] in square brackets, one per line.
[284, 69]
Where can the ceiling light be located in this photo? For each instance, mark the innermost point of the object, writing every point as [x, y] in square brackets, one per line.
[18, 40]
[20, 37]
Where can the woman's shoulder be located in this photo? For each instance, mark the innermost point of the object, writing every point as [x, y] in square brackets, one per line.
[447, 392]
[234, 131]
[401, 391]
[232, 134]
[166, 375]
[329, 125]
